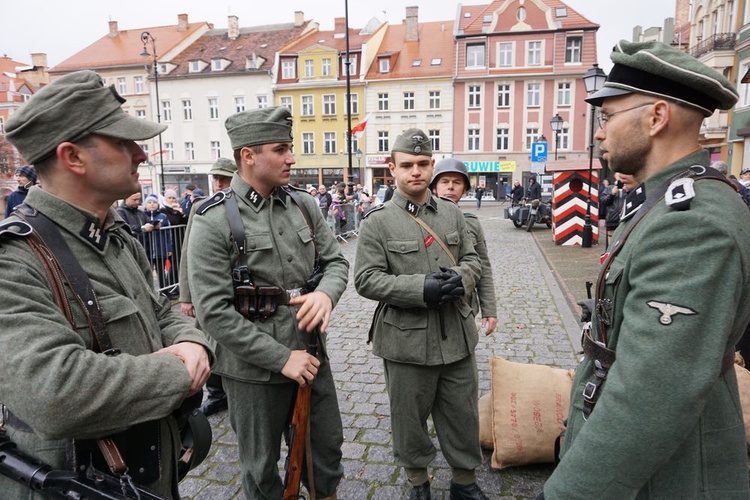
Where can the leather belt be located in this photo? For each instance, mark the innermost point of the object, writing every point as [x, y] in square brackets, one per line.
[286, 295]
[10, 420]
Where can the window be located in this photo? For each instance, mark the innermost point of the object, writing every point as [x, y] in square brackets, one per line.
[533, 94]
[262, 101]
[355, 144]
[329, 142]
[187, 109]
[2, 125]
[416, 63]
[309, 68]
[743, 88]
[287, 70]
[561, 12]
[531, 135]
[216, 65]
[138, 81]
[195, 66]
[355, 104]
[307, 105]
[475, 55]
[563, 94]
[564, 138]
[383, 142]
[434, 99]
[329, 104]
[573, 49]
[213, 108]
[473, 140]
[534, 53]
[189, 151]
[503, 95]
[436, 61]
[408, 100]
[434, 136]
[140, 113]
[122, 86]
[730, 16]
[475, 96]
[383, 102]
[169, 150]
[286, 101]
[502, 137]
[384, 64]
[144, 147]
[215, 150]
[166, 110]
[326, 66]
[505, 54]
[308, 143]
[352, 66]
[239, 104]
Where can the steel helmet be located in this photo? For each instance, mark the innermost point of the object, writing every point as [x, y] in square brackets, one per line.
[450, 165]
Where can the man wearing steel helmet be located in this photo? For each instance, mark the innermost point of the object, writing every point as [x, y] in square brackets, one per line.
[450, 180]
[655, 410]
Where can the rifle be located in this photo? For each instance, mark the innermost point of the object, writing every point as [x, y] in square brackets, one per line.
[298, 435]
[63, 484]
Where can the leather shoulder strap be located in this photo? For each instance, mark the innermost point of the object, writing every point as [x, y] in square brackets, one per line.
[306, 214]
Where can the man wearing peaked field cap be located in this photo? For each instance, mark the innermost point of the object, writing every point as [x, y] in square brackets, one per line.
[297, 274]
[66, 386]
[654, 407]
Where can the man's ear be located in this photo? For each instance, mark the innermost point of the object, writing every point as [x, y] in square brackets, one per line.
[247, 155]
[74, 157]
[660, 117]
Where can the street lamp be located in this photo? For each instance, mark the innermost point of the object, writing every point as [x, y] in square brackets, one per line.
[358, 154]
[557, 124]
[147, 38]
[593, 80]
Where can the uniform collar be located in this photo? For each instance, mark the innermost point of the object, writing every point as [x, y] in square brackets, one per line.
[253, 197]
[410, 206]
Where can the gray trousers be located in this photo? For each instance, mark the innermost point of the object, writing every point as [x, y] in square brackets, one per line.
[449, 394]
[259, 414]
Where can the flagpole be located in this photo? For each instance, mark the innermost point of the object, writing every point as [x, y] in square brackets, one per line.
[350, 174]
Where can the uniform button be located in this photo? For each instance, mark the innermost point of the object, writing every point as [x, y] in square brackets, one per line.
[403, 247]
[251, 244]
[436, 257]
[290, 258]
[281, 231]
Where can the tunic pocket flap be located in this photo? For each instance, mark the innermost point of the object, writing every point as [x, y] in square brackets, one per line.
[405, 319]
[304, 234]
[259, 241]
[453, 238]
[116, 307]
[403, 246]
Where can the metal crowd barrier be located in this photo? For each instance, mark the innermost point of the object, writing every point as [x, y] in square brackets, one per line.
[164, 248]
[344, 219]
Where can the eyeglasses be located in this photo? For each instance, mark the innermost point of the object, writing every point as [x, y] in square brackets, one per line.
[605, 117]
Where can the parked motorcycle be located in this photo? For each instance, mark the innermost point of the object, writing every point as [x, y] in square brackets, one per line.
[530, 213]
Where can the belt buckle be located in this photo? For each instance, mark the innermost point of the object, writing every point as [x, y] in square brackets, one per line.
[294, 293]
[589, 391]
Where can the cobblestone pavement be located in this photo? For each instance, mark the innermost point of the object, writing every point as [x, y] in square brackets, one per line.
[536, 325]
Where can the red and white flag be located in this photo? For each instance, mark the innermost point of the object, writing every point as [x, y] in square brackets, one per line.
[359, 128]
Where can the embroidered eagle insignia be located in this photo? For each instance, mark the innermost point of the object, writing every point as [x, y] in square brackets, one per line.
[668, 310]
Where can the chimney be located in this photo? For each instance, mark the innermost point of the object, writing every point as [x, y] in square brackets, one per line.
[182, 22]
[339, 27]
[113, 31]
[39, 60]
[412, 24]
[233, 27]
[299, 18]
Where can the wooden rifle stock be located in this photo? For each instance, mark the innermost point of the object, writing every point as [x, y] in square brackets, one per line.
[298, 429]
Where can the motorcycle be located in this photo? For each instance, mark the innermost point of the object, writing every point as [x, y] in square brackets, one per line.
[530, 213]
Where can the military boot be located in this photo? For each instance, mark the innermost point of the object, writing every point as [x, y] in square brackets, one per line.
[421, 492]
[466, 492]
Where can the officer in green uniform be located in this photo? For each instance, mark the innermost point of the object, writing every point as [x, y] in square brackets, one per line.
[262, 361]
[54, 385]
[450, 180]
[416, 258]
[654, 409]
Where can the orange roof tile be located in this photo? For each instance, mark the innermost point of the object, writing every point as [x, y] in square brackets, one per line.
[329, 40]
[474, 23]
[8, 65]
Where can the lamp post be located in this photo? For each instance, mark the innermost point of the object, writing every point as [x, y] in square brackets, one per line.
[147, 38]
[557, 124]
[593, 80]
[358, 154]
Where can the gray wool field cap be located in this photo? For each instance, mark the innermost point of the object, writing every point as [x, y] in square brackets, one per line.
[259, 126]
[413, 141]
[656, 69]
[223, 166]
[70, 108]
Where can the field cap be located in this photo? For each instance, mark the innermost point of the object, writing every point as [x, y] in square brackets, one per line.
[223, 166]
[70, 108]
[259, 126]
[656, 69]
[413, 141]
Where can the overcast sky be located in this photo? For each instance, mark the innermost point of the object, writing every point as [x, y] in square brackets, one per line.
[60, 28]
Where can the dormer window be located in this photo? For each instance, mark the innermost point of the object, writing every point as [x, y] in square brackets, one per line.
[416, 63]
[384, 64]
[561, 12]
[437, 61]
[196, 66]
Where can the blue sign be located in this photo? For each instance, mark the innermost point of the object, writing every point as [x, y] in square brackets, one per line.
[539, 152]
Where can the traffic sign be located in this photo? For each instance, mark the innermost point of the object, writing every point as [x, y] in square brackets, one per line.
[539, 152]
[537, 167]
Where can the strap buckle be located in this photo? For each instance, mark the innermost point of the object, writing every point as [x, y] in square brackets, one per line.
[589, 391]
[295, 293]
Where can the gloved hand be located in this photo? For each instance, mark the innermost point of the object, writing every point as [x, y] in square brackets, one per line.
[441, 287]
[587, 307]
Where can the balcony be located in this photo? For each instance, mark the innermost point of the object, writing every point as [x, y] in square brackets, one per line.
[718, 41]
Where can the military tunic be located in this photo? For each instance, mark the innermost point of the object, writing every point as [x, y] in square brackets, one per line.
[484, 296]
[250, 355]
[422, 348]
[49, 376]
[667, 424]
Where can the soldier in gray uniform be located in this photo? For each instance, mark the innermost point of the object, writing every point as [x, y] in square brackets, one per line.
[261, 357]
[655, 411]
[416, 258]
[450, 180]
[59, 385]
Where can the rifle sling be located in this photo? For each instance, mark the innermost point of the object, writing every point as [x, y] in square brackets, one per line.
[437, 238]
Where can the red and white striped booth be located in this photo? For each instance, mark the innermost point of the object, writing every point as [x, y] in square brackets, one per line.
[570, 199]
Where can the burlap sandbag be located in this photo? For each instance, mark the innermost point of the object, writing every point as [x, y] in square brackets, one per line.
[743, 384]
[529, 405]
[485, 422]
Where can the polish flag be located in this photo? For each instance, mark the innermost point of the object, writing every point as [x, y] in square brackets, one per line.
[162, 152]
[359, 129]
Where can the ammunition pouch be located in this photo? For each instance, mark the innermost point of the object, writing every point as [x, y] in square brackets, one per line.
[258, 302]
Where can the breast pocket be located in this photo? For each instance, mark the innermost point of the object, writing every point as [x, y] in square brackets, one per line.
[404, 256]
[259, 246]
[125, 325]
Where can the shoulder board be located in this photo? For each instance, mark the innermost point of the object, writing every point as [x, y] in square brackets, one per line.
[14, 227]
[469, 215]
[297, 188]
[217, 199]
[373, 210]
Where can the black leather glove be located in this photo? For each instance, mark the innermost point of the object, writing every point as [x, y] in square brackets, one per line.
[587, 307]
[441, 287]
